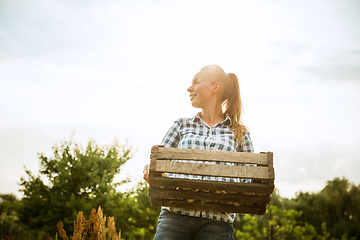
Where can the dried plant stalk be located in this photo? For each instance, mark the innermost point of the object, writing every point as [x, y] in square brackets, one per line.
[93, 229]
[102, 221]
[80, 227]
[94, 225]
[112, 230]
[61, 231]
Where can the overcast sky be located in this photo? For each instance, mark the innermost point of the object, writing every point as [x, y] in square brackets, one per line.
[120, 69]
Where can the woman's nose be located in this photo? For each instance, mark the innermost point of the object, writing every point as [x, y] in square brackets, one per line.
[189, 89]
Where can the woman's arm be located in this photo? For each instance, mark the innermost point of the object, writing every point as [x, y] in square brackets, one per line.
[170, 140]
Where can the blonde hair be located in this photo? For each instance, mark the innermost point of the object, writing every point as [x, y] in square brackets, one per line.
[231, 101]
[232, 106]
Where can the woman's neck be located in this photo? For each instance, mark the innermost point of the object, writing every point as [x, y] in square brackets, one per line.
[212, 116]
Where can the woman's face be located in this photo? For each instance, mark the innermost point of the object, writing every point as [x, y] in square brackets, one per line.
[201, 90]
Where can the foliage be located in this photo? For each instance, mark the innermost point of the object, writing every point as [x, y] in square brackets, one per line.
[337, 205]
[76, 180]
[93, 229]
[333, 213]
[134, 214]
[8, 215]
[283, 224]
[7, 203]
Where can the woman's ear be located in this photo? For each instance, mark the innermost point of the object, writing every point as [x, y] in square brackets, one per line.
[217, 87]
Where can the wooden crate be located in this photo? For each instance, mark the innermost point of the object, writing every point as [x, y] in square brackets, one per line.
[235, 197]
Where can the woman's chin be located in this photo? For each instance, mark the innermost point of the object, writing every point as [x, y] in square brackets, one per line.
[195, 105]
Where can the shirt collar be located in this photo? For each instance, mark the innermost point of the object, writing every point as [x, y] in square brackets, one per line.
[197, 118]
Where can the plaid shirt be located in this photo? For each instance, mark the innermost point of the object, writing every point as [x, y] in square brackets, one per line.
[194, 133]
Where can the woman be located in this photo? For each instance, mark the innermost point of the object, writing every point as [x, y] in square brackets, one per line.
[217, 127]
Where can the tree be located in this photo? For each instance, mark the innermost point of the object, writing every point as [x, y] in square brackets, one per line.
[134, 214]
[333, 213]
[337, 205]
[285, 225]
[76, 179]
[8, 216]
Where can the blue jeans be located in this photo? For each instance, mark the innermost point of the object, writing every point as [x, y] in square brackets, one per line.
[172, 226]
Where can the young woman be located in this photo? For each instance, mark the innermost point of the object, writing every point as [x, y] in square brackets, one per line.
[217, 127]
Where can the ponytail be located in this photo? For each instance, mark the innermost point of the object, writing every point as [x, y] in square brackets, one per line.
[232, 107]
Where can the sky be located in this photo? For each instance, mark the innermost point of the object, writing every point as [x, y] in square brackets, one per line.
[118, 70]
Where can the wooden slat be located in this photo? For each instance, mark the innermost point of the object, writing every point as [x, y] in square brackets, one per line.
[212, 169]
[216, 207]
[212, 155]
[211, 185]
[200, 195]
[153, 163]
[267, 199]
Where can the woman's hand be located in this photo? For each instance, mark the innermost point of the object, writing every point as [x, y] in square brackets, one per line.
[146, 173]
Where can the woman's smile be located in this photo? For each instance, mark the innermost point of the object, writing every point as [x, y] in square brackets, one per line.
[192, 95]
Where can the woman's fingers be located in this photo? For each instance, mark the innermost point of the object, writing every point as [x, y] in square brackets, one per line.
[146, 174]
